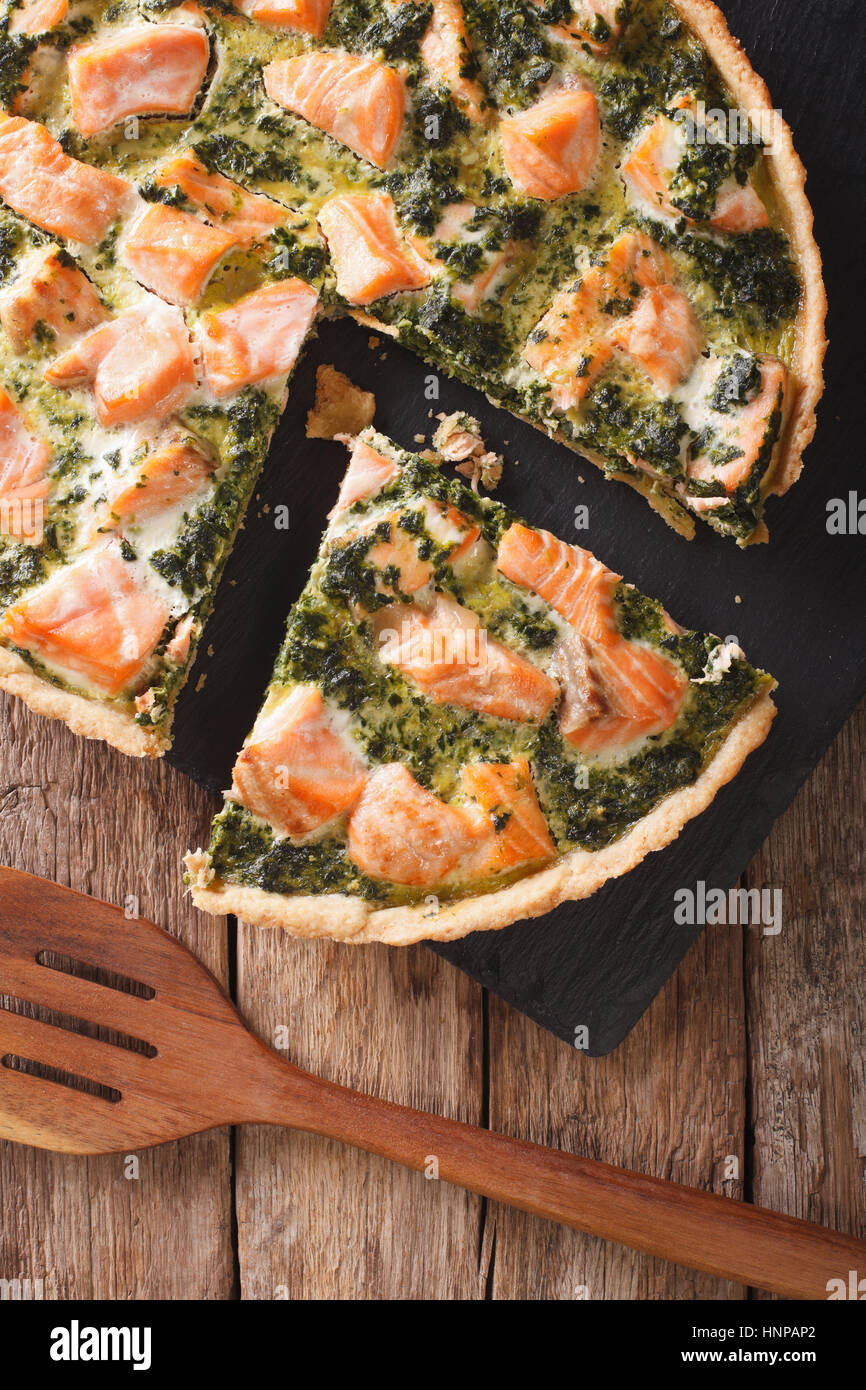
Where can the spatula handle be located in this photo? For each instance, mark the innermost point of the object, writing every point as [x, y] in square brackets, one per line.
[701, 1230]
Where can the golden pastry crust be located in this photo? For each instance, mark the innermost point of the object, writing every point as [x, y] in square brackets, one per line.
[340, 407]
[789, 181]
[576, 875]
[90, 718]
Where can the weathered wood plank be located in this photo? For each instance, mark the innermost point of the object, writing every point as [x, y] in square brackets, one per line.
[315, 1219]
[84, 816]
[670, 1101]
[806, 1007]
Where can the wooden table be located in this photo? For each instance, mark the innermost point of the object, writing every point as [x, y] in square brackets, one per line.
[748, 1075]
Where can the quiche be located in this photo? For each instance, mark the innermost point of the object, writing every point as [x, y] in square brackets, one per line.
[469, 722]
[573, 205]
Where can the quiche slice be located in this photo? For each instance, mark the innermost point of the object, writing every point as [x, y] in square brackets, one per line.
[145, 353]
[469, 722]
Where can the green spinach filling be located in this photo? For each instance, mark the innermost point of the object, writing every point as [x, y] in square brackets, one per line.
[589, 803]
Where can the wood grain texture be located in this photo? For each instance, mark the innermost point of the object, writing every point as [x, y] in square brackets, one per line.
[765, 1065]
[84, 816]
[806, 1004]
[315, 1219]
[670, 1101]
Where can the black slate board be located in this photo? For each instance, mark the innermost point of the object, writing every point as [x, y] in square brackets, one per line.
[599, 963]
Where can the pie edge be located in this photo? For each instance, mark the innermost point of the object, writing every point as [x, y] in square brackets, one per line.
[91, 718]
[576, 875]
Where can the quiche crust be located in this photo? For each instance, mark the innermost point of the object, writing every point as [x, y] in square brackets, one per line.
[576, 875]
[89, 718]
[789, 180]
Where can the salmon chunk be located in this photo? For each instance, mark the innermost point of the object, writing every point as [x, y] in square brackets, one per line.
[636, 692]
[37, 16]
[371, 256]
[551, 149]
[94, 619]
[447, 56]
[663, 335]
[24, 460]
[50, 293]
[298, 771]
[505, 793]
[445, 651]
[173, 253]
[149, 69]
[172, 473]
[358, 101]
[139, 365]
[574, 341]
[249, 217]
[58, 193]
[368, 473]
[650, 171]
[575, 584]
[258, 337]
[402, 833]
[303, 16]
[737, 435]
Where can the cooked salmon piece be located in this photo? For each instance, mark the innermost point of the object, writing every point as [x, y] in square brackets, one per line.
[175, 471]
[149, 69]
[368, 473]
[139, 365]
[93, 619]
[173, 253]
[371, 256]
[551, 149]
[258, 337]
[572, 343]
[633, 692]
[60, 194]
[651, 165]
[644, 693]
[447, 56]
[455, 661]
[744, 432]
[303, 16]
[358, 101]
[249, 217]
[51, 293]
[505, 793]
[663, 335]
[299, 770]
[577, 585]
[37, 16]
[24, 460]
[402, 833]
[739, 209]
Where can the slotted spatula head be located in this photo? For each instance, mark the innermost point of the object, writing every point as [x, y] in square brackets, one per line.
[141, 1040]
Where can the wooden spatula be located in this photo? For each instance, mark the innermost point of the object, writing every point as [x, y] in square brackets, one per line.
[143, 1046]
